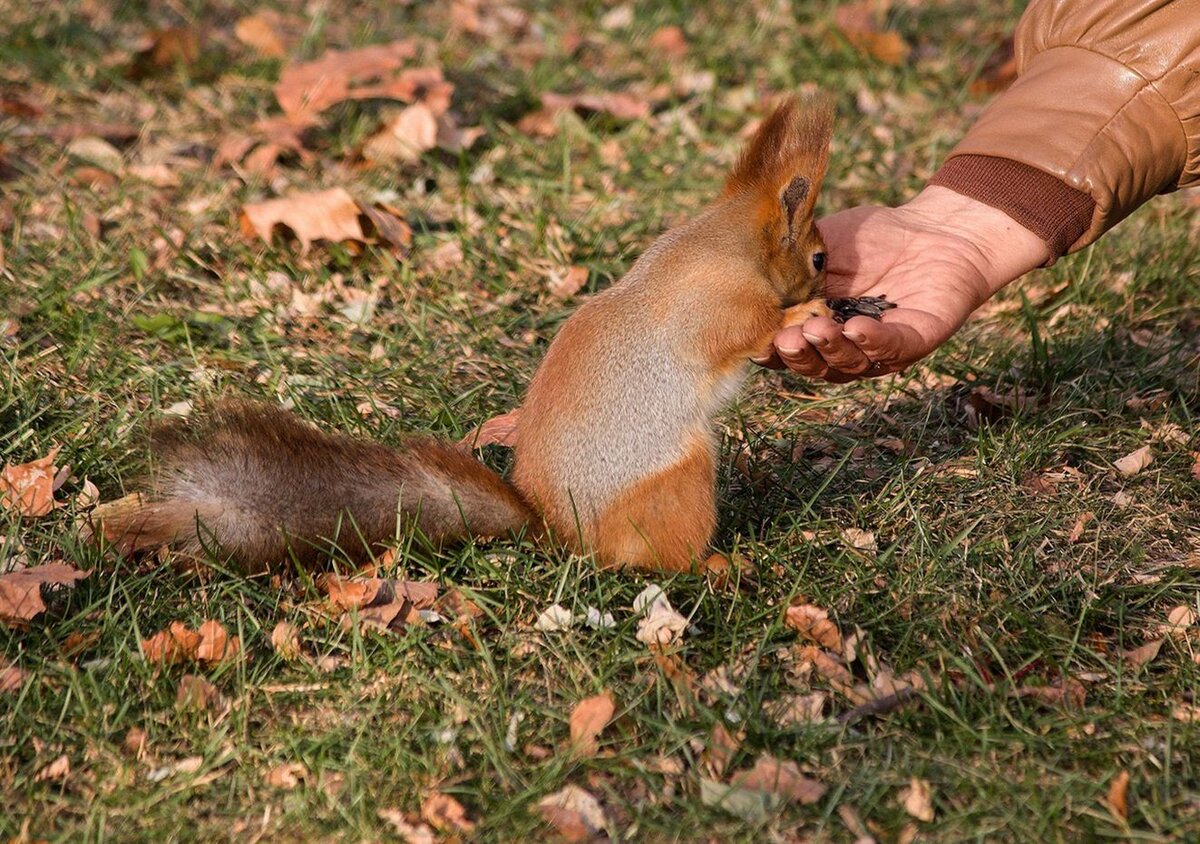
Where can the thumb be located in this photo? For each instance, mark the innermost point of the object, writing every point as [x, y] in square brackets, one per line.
[891, 343]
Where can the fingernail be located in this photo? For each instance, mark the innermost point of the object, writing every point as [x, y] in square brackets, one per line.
[788, 351]
[854, 336]
[760, 361]
[815, 340]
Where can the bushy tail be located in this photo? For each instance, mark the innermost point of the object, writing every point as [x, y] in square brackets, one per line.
[263, 483]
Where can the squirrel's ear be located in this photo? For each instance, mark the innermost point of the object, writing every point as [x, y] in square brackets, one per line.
[784, 163]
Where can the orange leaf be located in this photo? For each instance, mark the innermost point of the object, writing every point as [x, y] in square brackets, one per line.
[813, 623]
[257, 31]
[29, 487]
[858, 22]
[588, 719]
[1118, 795]
[175, 644]
[443, 812]
[11, 677]
[781, 778]
[21, 591]
[215, 643]
[326, 215]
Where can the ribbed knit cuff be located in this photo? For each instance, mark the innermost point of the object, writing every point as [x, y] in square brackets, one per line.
[1050, 208]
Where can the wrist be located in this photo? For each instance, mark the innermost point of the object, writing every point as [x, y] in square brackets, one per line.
[997, 246]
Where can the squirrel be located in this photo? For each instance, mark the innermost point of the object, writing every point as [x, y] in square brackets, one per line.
[615, 452]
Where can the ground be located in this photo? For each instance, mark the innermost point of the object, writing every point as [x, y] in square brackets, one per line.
[966, 518]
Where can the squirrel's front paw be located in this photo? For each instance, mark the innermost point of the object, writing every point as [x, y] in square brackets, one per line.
[800, 314]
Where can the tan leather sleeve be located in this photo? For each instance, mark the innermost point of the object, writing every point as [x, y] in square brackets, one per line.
[1103, 115]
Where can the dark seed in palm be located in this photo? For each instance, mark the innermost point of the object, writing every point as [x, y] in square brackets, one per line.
[868, 306]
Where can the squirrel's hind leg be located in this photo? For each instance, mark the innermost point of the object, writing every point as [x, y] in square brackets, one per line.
[665, 521]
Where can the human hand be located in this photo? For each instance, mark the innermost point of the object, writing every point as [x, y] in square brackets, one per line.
[938, 258]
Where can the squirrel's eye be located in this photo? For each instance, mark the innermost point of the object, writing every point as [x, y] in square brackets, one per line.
[818, 261]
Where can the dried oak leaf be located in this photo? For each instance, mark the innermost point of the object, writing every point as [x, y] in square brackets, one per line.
[780, 778]
[1135, 461]
[443, 812]
[1141, 656]
[860, 24]
[566, 283]
[1067, 692]
[260, 32]
[59, 769]
[28, 488]
[195, 692]
[405, 137]
[325, 215]
[1117, 798]
[381, 604]
[176, 45]
[670, 41]
[410, 833]
[619, 105]
[813, 623]
[918, 799]
[179, 643]
[499, 430]
[11, 677]
[588, 719]
[374, 72]
[286, 776]
[21, 591]
[574, 814]
[285, 639]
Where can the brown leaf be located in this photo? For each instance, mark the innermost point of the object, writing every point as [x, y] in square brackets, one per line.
[1196, 466]
[499, 430]
[443, 812]
[404, 138]
[574, 814]
[285, 639]
[59, 769]
[859, 23]
[719, 752]
[1117, 798]
[813, 623]
[134, 742]
[1179, 619]
[1081, 523]
[670, 41]
[21, 591]
[325, 215]
[369, 72]
[11, 677]
[258, 32]
[29, 487]
[1143, 655]
[197, 693]
[410, 833]
[1068, 693]
[565, 284]
[176, 45]
[588, 719]
[800, 709]
[1135, 461]
[215, 643]
[918, 799]
[389, 228]
[621, 106]
[286, 776]
[780, 778]
[159, 175]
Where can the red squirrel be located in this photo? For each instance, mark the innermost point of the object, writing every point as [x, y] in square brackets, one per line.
[615, 450]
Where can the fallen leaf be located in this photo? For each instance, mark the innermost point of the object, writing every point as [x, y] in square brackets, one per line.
[554, 619]
[21, 590]
[176, 45]
[443, 812]
[854, 823]
[59, 769]
[410, 833]
[574, 814]
[1196, 466]
[28, 488]
[588, 719]
[660, 623]
[380, 604]
[196, 693]
[800, 709]
[389, 228]
[11, 678]
[670, 41]
[719, 752]
[1189, 713]
[813, 623]
[566, 283]
[1135, 461]
[405, 137]
[860, 540]
[918, 799]
[1081, 523]
[1117, 798]
[1143, 655]
[187, 765]
[98, 152]
[621, 106]
[286, 776]
[285, 639]
[215, 643]
[159, 175]
[1179, 619]
[1068, 693]
[367, 73]
[330, 215]
[859, 23]
[780, 778]
[499, 430]
[258, 32]
[134, 742]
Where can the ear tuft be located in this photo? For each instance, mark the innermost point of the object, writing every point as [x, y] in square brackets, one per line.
[786, 159]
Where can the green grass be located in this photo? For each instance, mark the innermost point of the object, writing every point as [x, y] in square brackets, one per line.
[975, 583]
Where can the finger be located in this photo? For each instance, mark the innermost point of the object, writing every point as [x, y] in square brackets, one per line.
[839, 352]
[798, 355]
[769, 361]
[891, 344]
